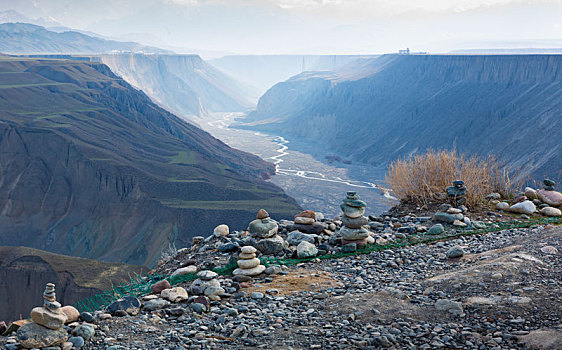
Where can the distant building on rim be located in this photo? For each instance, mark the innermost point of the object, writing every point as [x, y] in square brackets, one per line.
[404, 52]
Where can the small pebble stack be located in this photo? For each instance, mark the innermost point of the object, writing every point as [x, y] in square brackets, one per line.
[248, 263]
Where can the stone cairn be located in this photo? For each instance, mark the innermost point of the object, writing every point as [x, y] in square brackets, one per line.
[47, 326]
[208, 285]
[248, 264]
[353, 220]
[457, 192]
[264, 235]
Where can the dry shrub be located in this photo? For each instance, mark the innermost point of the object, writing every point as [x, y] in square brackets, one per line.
[420, 178]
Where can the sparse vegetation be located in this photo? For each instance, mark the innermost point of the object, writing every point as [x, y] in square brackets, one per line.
[421, 178]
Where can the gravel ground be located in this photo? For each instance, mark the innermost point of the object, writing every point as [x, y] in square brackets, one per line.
[503, 293]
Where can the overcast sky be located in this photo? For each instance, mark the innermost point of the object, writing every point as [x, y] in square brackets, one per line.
[310, 26]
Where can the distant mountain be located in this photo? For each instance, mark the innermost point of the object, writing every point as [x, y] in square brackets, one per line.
[90, 167]
[508, 51]
[25, 38]
[12, 16]
[264, 71]
[397, 105]
[184, 84]
[24, 272]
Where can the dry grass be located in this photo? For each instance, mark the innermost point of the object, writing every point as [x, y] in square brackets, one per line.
[421, 178]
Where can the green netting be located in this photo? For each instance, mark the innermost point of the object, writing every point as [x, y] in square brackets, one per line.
[141, 285]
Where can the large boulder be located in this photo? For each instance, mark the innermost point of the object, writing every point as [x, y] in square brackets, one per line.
[553, 198]
[447, 218]
[271, 246]
[47, 318]
[31, 336]
[295, 237]
[525, 207]
[550, 211]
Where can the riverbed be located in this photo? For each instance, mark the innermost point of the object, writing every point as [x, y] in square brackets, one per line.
[302, 169]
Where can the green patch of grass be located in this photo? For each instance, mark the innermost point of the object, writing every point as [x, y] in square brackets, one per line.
[176, 179]
[184, 157]
[273, 204]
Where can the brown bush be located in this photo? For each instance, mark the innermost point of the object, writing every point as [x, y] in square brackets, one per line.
[419, 178]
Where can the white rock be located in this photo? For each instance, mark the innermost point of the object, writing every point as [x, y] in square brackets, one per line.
[502, 206]
[247, 256]
[525, 207]
[249, 272]
[248, 263]
[550, 211]
[248, 249]
[175, 295]
[185, 270]
[221, 231]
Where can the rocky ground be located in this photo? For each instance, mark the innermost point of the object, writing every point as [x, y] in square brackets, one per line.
[501, 290]
[503, 293]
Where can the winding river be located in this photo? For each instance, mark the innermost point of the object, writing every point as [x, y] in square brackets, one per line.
[302, 169]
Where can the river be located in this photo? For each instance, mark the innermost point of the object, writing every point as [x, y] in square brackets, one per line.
[302, 169]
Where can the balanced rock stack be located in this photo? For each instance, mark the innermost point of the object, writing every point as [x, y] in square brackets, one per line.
[208, 285]
[248, 263]
[264, 235]
[353, 220]
[46, 329]
[457, 192]
[305, 222]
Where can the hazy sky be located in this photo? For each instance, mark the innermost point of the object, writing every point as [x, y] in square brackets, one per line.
[310, 26]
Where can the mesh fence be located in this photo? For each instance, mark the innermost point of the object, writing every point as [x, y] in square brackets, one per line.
[141, 285]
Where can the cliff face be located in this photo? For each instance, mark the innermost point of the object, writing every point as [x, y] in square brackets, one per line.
[183, 83]
[395, 106]
[24, 272]
[91, 167]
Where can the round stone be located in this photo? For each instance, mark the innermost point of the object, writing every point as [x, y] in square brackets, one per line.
[248, 263]
[221, 231]
[455, 252]
[353, 234]
[185, 271]
[263, 228]
[550, 211]
[262, 214]
[248, 249]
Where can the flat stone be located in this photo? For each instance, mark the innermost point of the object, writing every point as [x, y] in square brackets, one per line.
[447, 218]
[548, 249]
[185, 271]
[352, 212]
[250, 272]
[248, 249]
[354, 222]
[306, 214]
[31, 335]
[304, 221]
[246, 256]
[459, 223]
[47, 318]
[248, 263]
[352, 234]
[453, 307]
[315, 228]
[207, 275]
